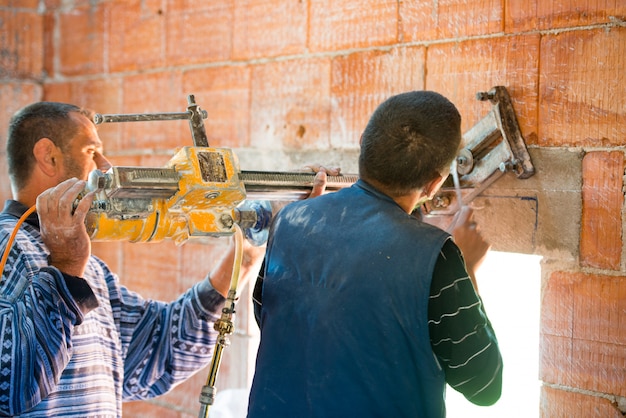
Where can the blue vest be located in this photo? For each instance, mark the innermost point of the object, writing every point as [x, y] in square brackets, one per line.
[344, 321]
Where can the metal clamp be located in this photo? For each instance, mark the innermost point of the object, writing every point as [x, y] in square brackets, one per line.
[493, 146]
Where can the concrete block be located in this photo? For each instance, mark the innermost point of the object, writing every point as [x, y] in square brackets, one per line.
[539, 215]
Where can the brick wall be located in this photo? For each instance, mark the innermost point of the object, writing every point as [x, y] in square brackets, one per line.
[286, 79]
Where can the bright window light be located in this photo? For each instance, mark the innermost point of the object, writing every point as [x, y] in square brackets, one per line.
[510, 286]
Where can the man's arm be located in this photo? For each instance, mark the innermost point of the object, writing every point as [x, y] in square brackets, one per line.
[39, 313]
[461, 334]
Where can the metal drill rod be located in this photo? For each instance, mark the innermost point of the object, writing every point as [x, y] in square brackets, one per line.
[194, 115]
[275, 185]
[142, 117]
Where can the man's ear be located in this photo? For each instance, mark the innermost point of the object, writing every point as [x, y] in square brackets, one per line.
[433, 186]
[47, 156]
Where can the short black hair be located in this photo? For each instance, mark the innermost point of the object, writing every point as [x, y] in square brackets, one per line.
[31, 123]
[409, 139]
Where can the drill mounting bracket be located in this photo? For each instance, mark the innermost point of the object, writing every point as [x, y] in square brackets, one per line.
[492, 147]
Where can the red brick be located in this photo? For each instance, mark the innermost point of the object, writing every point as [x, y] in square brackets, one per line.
[582, 332]
[582, 100]
[460, 70]
[555, 359]
[257, 33]
[450, 19]
[101, 95]
[154, 93]
[603, 199]
[418, 21]
[523, 15]
[598, 367]
[198, 32]
[557, 308]
[150, 276]
[185, 397]
[290, 107]
[361, 81]
[556, 403]
[13, 96]
[5, 185]
[336, 25]
[136, 35]
[22, 4]
[48, 24]
[80, 43]
[224, 92]
[21, 43]
[51, 4]
[199, 257]
[110, 253]
[147, 409]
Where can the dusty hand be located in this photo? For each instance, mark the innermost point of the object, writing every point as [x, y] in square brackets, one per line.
[63, 229]
[468, 238]
[319, 183]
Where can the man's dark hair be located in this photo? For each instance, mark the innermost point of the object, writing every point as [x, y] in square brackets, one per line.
[409, 139]
[31, 123]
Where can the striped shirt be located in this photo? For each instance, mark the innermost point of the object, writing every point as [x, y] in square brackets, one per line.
[461, 335]
[78, 347]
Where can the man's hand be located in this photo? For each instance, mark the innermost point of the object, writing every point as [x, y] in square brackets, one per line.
[319, 183]
[63, 226]
[253, 256]
[470, 241]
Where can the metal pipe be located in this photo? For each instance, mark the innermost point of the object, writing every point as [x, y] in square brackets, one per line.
[274, 185]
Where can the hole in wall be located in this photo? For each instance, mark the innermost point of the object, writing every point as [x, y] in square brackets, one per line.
[510, 286]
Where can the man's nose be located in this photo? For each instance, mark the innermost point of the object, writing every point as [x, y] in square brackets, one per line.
[101, 162]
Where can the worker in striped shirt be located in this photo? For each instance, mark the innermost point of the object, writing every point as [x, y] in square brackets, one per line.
[75, 342]
[364, 309]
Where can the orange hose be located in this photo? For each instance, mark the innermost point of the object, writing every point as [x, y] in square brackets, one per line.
[5, 256]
